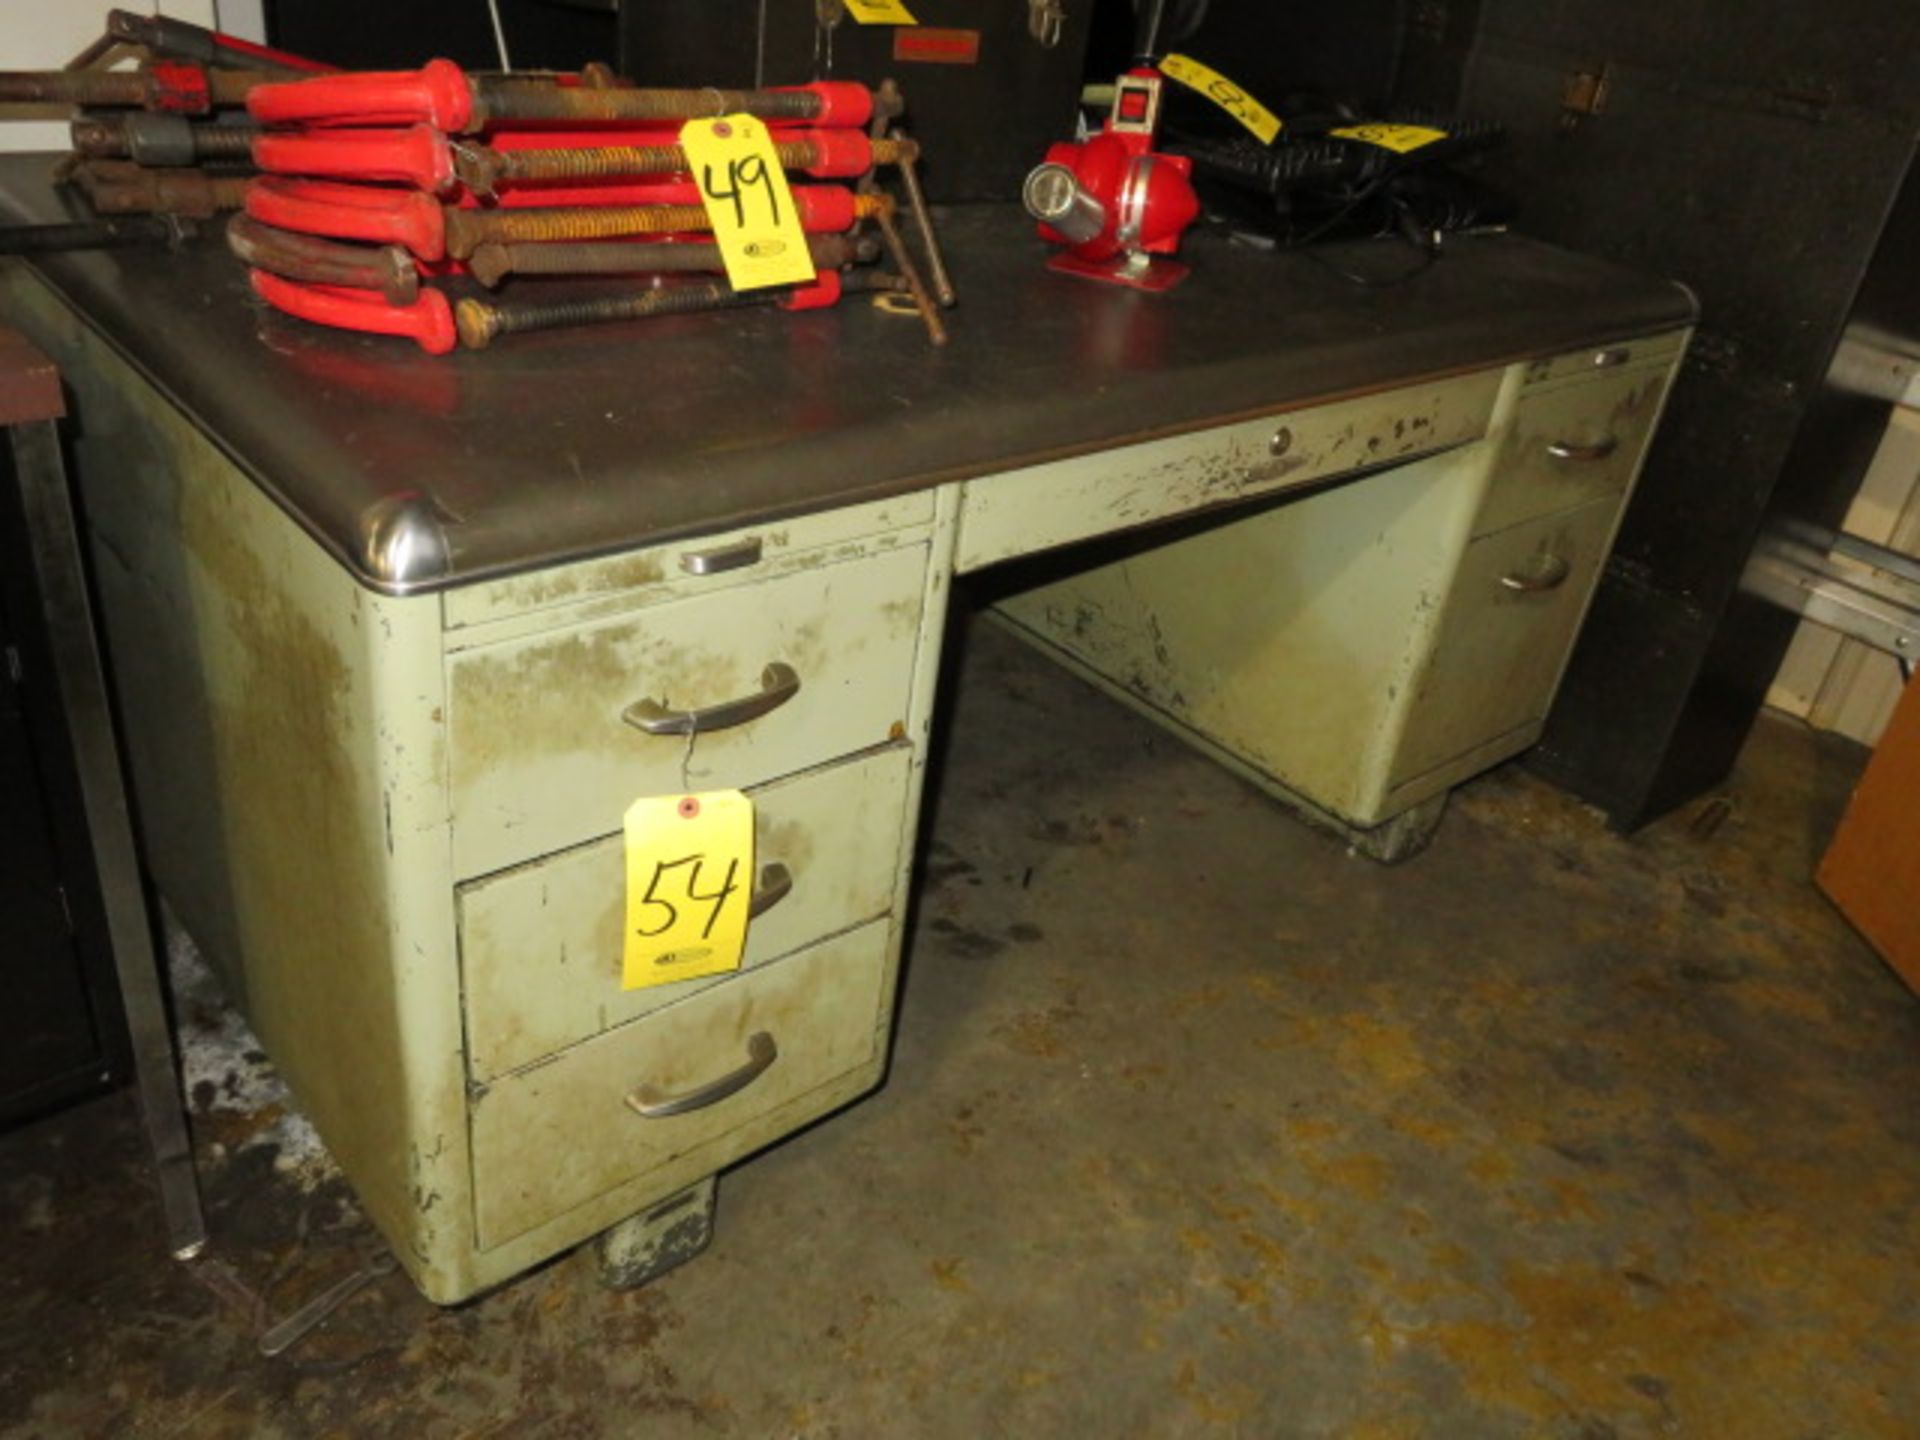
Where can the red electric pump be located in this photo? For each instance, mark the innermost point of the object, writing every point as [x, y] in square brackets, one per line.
[1114, 201]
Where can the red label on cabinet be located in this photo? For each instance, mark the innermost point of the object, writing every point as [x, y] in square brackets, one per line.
[937, 47]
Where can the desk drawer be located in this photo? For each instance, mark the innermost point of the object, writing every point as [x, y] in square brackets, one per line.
[541, 757]
[1503, 640]
[1022, 511]
[553, 1137]
[1573, 443]
[540, 944]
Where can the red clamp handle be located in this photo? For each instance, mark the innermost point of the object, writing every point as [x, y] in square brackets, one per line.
[428, 321]
[179, 88]
[436, 94]
[844, 105]
[351, 212]
[822, 294]
[418, 155]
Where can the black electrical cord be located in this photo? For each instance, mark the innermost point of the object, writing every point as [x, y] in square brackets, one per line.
[1152, 32]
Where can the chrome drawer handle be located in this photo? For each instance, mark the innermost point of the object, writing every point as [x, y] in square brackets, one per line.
[1570, 450]
[776, 883]
[779, 683]
[1551, 575]
[736, 556]
[650, 1104]
[1607, 359]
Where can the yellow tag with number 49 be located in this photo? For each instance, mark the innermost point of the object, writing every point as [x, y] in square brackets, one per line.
[748, 202]
[689, 883]
[1224, 93]
[880, 12]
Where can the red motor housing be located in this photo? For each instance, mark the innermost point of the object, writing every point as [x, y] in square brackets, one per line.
[1114, 200]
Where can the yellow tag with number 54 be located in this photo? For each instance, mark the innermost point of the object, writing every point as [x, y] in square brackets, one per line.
[689, 883]
[748, 202]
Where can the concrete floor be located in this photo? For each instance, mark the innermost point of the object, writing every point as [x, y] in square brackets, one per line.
[1197, 1126]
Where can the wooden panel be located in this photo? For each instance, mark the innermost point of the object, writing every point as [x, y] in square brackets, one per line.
[541, 759]
[1872, 869]
[1022, 511]
[555, 1136]
[540, 944]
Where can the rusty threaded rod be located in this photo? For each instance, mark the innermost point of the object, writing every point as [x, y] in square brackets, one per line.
[497, 98]
[923, 221]
[113, 139]
[125, 89]
[492, 263]
[479, 321]
[469, 229]
[903, 262]
[481, 167]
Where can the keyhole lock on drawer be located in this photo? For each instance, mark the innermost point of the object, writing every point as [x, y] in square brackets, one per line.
[1542, 573]
[1584, 450]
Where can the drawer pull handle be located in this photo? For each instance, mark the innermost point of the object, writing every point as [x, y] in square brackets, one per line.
[776, 883]
[721, 558]
[1550, 574]
[1613, 355]
[650, 1104]
[1572, 450]
[779, 683]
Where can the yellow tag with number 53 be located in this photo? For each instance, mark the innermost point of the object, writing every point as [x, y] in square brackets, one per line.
[1224, 93]
[689, 883]
[748, 202]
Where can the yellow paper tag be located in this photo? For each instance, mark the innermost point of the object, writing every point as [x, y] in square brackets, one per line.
[754, 219]
[689, 883]
[1224, 93]
[1397, 138]
[880, 12]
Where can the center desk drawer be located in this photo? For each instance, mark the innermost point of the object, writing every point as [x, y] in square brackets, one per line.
[1022, 511]
[545, 748]
[540, 944]
[748, 1061]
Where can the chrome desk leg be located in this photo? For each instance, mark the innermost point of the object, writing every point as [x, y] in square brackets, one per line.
[53, 540]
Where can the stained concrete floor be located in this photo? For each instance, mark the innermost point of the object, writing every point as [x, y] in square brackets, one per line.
[1197, 1126]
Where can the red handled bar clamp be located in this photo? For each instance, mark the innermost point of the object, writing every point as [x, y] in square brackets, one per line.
[444, 96]
[427, 321]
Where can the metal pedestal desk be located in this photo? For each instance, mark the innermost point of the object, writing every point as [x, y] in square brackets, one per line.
[376, 617]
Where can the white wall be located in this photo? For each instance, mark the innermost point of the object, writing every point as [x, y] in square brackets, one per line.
[45, 34]
[1843, 685]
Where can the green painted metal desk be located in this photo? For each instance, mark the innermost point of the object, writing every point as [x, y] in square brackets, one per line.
[377, 618]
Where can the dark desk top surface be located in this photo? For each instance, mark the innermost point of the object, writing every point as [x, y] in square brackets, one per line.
[559, 446]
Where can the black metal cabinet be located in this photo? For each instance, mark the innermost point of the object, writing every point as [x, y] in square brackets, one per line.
[62, 1029]
[1755, 154]
[985, 94]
